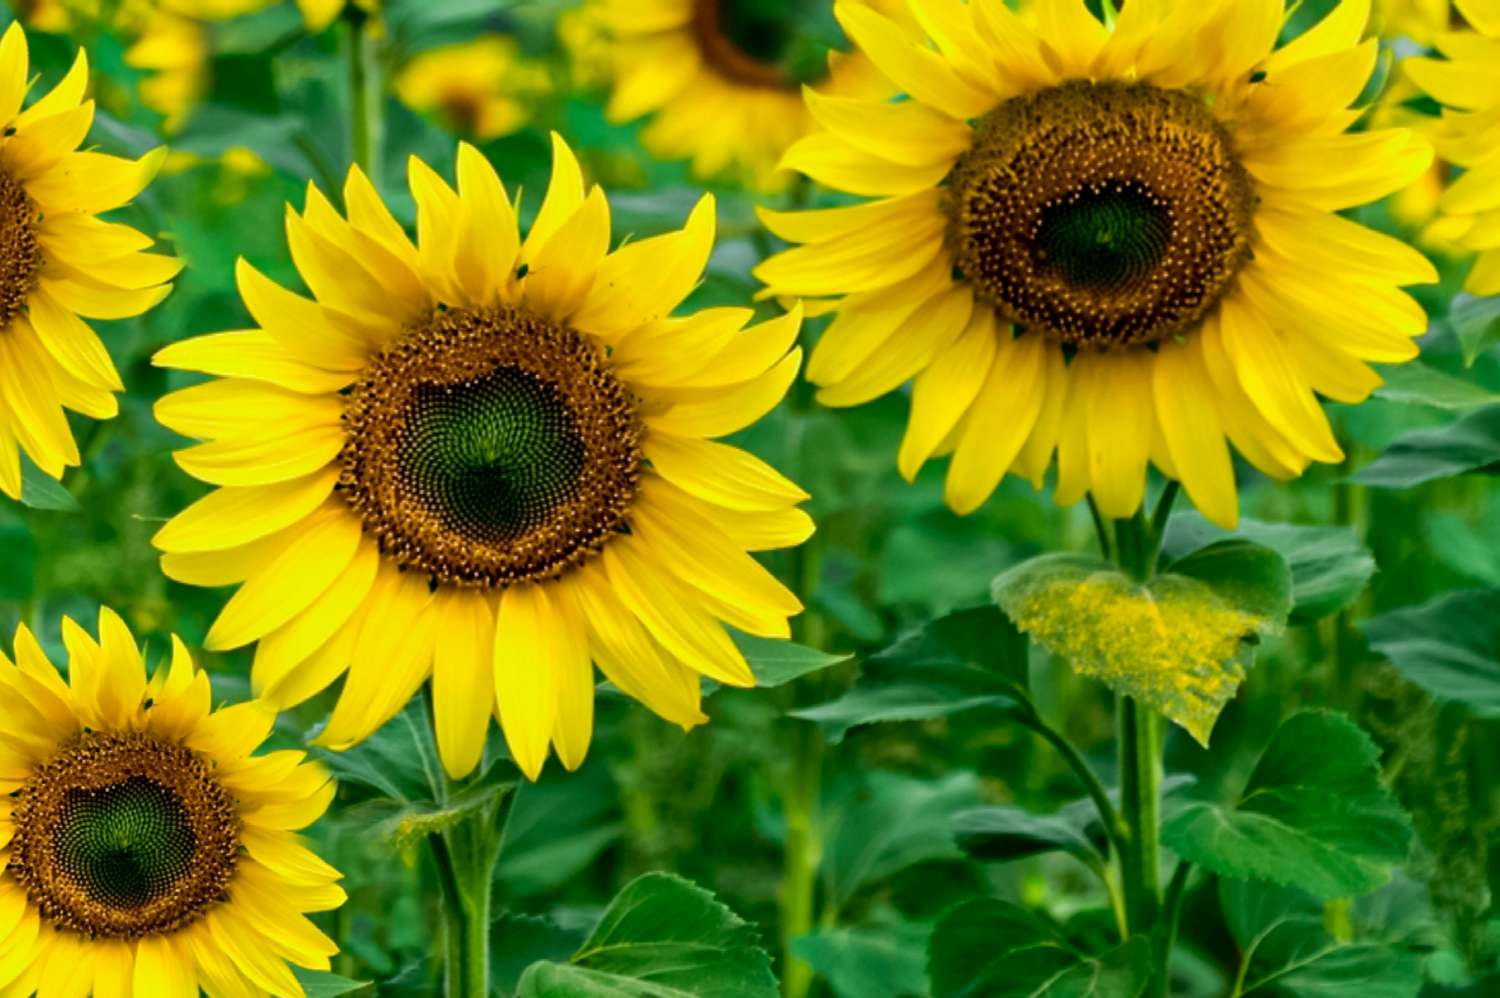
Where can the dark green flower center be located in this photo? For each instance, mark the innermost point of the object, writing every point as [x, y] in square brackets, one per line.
[126, 844]
[1104, 236]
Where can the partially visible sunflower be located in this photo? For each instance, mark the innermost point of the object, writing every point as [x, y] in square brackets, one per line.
[482, 88]
[722, 79]
[175, 50]
[1416, 20]
[319, 14]
[1467, 84]
[1119, 246]
[488, 461]
[147, 850]
[59, 264]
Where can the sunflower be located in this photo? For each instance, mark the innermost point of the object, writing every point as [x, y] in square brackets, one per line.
[488, 461]
[1416, 20]
[1465, 84]
[147, 851]
[59, 264]
[480, 87]
[1115, 244]
[724, 79]
[175, 51]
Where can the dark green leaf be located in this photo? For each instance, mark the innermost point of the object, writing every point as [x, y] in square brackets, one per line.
[1476, 322]
[989, 948]
[1245, 575]
[1470, 443]
[1416, 383]
[39, 491]
[966, 660]
[776, 663]
[517, 941]
[869, 961]
[1450, 647]
[1006, 833]
[661, 937]
[557, 827]
[398, 761]
[1314, 813]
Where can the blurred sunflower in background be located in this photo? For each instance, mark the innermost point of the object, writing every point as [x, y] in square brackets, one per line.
[722, 79]
[1418, 21]
[148, 851]
[59, 265]
[1119, 245]
[483, 88]
[503, 444]
[1468, 136]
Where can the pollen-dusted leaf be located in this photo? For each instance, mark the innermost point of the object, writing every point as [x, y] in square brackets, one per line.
[1176, 644]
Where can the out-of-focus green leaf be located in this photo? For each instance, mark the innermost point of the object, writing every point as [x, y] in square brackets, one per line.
[1476, 322]
[869, 961]
[987, 948]
[321, 984]
[517, 941]
[1177, 643]
[1450, 647]
[776, 663]
[1007, 833]
[1286, 948]
[1329, 565]
[40, 491]
[1416, 383]
[557, 827]
[661, 937]
[1470, 443]
[969, 659]
[1314, 813]
[882, 823]
[17, 561]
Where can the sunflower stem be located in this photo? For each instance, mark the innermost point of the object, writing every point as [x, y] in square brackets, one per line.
[365, 95]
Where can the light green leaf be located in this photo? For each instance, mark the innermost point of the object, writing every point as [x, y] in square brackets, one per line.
[1476, 322]
[1416, 383]
[1450, 647]
[39, 491]
[1286, 949]
[869, 961]
[1177, 644]
[1470, 443]
[321, 984]
[987, 948]
[776, 663]
[969, 659]
[1314, 814]
[661, 937]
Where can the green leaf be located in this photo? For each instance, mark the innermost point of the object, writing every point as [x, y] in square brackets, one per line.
[1007, 833]
[1329, 565]
[399, 761]
[1314, 814]
[1178, 643]
[1470, 443]
[17, 561]
[968, 659]
[1286, 948]
[517, 941]
[558, 826]
[1450, 647]
[39, 491]
[869, 961]
[321, 984]
[776, 663]
[661, 937]
[987, 948]
[1415, 383]
[1476, 322]
[878, 824]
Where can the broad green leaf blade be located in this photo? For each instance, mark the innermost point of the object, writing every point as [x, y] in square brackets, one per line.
[1450, 647]
[1476, 322]
[661, 937]
[1329, 565]
[1006, 833]
[987, 948]
[517, 941]
[321, 984]
[1313, 814]
[869, 961]
[1416, 383]
[1287, 949]
[399, 761]
[1177, 644]
[970, 659]
[776, 663]
[42, 492]
[879, 824]
[1470, 443]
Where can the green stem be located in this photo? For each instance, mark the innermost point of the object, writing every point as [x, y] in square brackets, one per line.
[365, 95]
[804, 842]
[1171, 916]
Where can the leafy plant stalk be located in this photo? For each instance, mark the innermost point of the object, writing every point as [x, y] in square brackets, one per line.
[365, 93]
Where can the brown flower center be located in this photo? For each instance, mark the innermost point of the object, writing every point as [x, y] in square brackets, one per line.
[490, 447]
[20, 253]
[122, 835]
[755, 44]
[1101, 214]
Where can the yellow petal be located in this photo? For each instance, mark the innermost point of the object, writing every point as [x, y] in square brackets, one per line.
[462, 679]
[525, 653]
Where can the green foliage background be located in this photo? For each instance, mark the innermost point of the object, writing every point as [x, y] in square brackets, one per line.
[863, 765]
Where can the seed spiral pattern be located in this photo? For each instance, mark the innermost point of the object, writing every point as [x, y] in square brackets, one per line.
[490, 447]
[1100, 214]
[122, 835]
[20, 252]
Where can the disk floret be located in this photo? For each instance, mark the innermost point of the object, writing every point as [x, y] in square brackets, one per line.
[489, 447]
[1100, 214]
[123, 834]
[20, 252]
